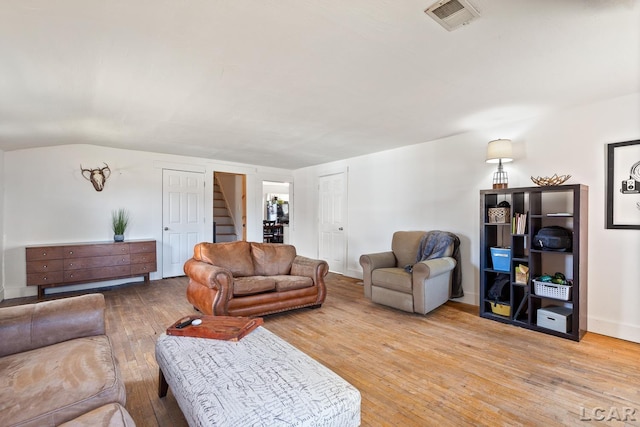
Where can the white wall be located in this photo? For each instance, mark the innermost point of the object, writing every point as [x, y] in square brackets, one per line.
[1, 224]
[435, 185]
[425, 186]
[48, 201]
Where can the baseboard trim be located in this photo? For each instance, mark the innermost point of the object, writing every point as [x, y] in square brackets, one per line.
[356, 274]
[467, 298]
[623, 331]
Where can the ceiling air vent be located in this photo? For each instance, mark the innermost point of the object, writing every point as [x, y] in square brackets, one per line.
[452, 13]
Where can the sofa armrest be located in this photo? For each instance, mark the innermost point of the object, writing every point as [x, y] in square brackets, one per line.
[316, 269]
[378, 260]
[31, 326]
[370, 262]
[210, 287]
[431, 283]
[211, 276]
[433, 267]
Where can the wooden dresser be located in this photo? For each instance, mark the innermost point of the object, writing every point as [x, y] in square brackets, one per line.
[60, 265]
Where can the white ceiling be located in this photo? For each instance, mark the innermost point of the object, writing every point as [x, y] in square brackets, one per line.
[293, 83]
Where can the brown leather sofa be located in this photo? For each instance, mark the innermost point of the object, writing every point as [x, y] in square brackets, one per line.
[58, 367]
[253, 279]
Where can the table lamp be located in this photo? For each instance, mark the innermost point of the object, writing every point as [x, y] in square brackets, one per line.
[499, 151]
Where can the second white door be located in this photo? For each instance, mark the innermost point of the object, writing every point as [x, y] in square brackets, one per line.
[333, 211]
[182, 217]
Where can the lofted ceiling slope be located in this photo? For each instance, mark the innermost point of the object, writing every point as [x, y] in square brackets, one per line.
[294, 83]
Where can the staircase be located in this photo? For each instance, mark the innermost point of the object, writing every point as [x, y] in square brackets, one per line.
[225, 226]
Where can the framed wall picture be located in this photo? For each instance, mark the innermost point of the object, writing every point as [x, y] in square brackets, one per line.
[623, 185]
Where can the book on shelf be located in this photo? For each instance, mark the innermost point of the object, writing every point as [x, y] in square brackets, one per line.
[519, 223]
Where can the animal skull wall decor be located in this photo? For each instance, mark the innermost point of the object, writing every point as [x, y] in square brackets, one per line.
[97, 177]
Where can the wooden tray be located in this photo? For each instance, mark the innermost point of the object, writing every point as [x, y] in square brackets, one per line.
[217, 327]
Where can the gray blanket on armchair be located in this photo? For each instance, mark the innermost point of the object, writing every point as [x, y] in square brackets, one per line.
[434, 245]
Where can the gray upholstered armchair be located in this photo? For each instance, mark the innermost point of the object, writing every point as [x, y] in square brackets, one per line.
[419, 274]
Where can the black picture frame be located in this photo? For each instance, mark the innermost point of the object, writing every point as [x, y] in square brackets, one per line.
[623, 185]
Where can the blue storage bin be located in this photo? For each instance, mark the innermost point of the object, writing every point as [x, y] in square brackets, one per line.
[501, 258]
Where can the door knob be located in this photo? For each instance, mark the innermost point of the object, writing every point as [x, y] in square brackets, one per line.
[166, 229]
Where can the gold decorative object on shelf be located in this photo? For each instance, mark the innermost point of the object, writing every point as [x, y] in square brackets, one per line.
[547, 181]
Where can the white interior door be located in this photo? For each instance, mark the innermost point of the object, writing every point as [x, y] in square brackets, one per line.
[182, 218]
[333, 212]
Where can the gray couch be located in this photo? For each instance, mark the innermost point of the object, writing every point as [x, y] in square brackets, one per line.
[397, 279]
[57, 366]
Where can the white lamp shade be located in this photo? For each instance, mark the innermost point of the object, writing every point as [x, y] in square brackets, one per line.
[499, 149]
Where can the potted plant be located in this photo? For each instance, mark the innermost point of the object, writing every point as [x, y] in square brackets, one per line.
[119, 222]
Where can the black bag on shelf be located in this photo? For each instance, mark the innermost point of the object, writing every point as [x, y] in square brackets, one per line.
[499, 291]
[553, 238]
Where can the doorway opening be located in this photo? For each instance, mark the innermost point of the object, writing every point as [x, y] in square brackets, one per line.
[229, 207]
[276, 212]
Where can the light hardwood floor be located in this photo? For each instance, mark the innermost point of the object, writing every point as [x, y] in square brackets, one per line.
[450, 367]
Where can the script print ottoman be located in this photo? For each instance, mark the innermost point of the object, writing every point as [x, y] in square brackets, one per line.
[260, 380]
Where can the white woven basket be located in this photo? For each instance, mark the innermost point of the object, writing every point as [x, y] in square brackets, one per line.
[551, 290]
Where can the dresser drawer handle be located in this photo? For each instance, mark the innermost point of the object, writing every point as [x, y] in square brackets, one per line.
[44, 254]
[44, 266]
[70, 252]
[44, 278]
[70, 264]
